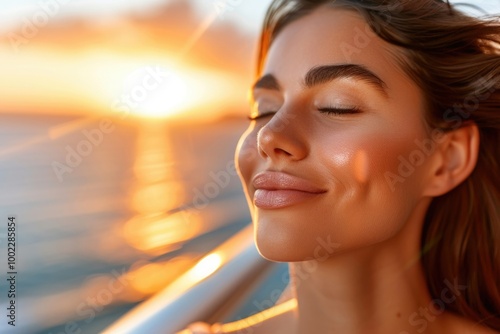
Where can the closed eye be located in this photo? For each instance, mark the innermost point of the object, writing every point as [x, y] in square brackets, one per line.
[339, 111]
[326, 110]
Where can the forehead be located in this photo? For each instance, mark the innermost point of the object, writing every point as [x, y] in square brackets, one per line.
[332, 35]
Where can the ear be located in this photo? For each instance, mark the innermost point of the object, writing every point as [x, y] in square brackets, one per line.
[454, 159]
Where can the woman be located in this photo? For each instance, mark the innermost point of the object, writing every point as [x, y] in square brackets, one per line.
[371, 164]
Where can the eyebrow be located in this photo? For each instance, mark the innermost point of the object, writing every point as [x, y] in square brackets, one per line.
[326, 73]
[323, 74]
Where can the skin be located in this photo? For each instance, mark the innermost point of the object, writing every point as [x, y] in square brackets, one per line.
[369, 279]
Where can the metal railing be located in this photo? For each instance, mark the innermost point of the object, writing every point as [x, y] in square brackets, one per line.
[198, 293]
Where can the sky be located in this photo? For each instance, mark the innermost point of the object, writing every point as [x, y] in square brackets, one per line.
[13, 10]
[246, 13]
[91, 53]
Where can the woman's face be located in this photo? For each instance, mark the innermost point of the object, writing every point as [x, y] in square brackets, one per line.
[336, 119]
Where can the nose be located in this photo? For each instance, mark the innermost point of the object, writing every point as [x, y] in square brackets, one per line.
[280, 139]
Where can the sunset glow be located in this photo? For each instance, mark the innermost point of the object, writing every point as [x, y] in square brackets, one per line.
[206, 267]
[169, 99]
[107, 82]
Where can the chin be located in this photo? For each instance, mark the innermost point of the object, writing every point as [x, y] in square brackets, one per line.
[285, 254]
[281, 241]
[276, 244]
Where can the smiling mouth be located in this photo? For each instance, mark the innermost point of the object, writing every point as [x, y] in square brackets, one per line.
[281, 198]
[276, 190]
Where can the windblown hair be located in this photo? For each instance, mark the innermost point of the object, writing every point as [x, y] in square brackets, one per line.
[455, 60]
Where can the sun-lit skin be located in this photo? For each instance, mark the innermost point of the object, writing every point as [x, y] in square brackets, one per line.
[347, 155]
[372, 282]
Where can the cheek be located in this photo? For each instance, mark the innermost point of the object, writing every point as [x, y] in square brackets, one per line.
[247, 155]
[372, 159]
[368, 209]
[356, 162]
[361, 166]
[362, 162]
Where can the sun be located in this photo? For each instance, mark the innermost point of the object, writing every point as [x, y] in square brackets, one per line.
[169, 99]
[108, 82]
[157, 92]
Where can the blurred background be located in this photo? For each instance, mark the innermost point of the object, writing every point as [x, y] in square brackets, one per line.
[118, 125]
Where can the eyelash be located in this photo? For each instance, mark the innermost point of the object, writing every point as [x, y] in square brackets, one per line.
[327, 110]
[339, 111]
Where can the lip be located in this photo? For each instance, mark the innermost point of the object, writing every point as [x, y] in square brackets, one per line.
[274, 190]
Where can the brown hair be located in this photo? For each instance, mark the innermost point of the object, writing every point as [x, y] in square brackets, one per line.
[455, 60]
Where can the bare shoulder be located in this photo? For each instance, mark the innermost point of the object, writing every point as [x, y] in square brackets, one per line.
[462, 325]
[278, 319]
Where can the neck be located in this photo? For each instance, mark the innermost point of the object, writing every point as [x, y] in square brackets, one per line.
[378, 289]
